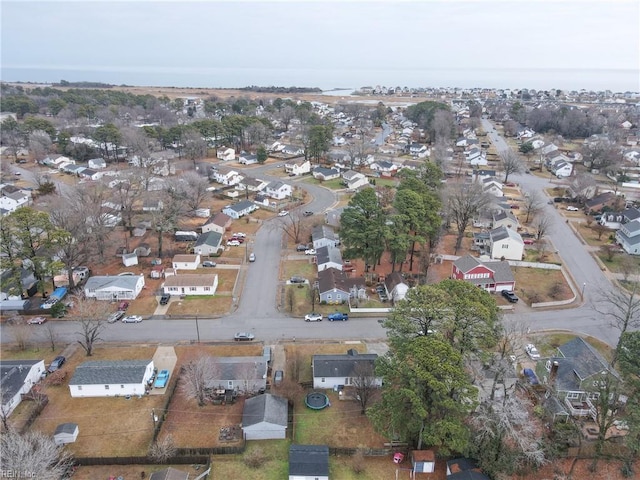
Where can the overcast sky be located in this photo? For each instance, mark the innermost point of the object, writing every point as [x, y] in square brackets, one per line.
[166, 36]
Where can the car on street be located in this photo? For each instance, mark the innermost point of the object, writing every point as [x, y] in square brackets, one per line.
[123, 306]
[132, 319]
[532, 351]
[161, 379]
[283, 213]
[208, 263]
[301, 248]
[240, 235]
[313, 317]
[37, 320]
[338, 317]
[296, 279]
[514, 207]
[252, 257]
[164, 299]
[529, 241]
[233, 243]
[237, 239]
[572, 209]
[278, 377]
[115, 316]
[311, 251]
[308, 213]
[56, 364]
[243, 337]
[510, 296]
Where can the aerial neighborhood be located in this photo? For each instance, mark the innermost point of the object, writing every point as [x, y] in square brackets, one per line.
[424, 283]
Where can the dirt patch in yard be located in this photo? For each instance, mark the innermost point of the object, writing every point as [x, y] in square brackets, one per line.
[540, 285]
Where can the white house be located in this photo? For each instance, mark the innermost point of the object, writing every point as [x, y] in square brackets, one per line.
[18, 376]
[297, 167]
[191, 284]
[125, 287]
[225, 154]
[293, 150]
[328, 257]
[562, 169]
[354, 180]
[324, 174]
[628, 237]
[57, 160]
[111, 378]
[209, 243]
[396, 286]
[243, 374]
[217, 223]
[265, 417]
[97, 163]
[492, 186]
[247, 158]
[506, 243]
[251, 184]
[330, 371]
[185, 262]
[504, 218]
[10, 202]
[240, 209]
[278, 190]
[324, 236]
[383, 166]
[227, 176]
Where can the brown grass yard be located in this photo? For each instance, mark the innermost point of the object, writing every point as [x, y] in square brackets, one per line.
[201, 305]
[299, 357]
[302, 268]
[130, 471]
[537, 282]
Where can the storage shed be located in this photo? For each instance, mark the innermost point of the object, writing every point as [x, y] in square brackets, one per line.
[423, 461]
[66, 433]
[265, 417]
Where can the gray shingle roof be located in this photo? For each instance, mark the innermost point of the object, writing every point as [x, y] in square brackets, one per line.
[265, 408]
[169, 474]
[69, 428]
[212, 239]
[110, 372]
[125, 282]
[340, 365]
[235, 368]
[331, 278]
[587, 359]
[309, 460]
[502, 233]
[329, 255]
[323, 231]
[13, 374]
[501, 271]
[467, 263]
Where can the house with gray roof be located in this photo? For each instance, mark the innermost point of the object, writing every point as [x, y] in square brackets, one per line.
[504, 218]
[324, 236]
[308, 462]
[628, 237]
[17, 378]
[243, 374]
[114, 287]
[396, 286]
[65, 433]
[217, 223]
[323, 173]
[490, 276]
[278, 190]
[209, 243]
[111, 378]
[330, 371]
[505, 243]
[336, 286]
[240, 209]
[265, 417]
[328, 257]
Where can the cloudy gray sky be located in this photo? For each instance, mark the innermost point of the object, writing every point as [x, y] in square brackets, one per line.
[161, 37]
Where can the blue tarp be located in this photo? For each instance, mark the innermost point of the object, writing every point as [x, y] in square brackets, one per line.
[59, 293]
[531, 376]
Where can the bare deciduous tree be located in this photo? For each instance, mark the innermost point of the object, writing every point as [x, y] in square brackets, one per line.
[196, 190]
[197, 377]
[532, 204]
[51, 335]
[542, 225]
[464, 201]
[35, 453]
[39, 144]
[21, 332]
[364, 384]
[195, 148]
[91, 316]
[163, 450]
[511, 163]
[292, 225]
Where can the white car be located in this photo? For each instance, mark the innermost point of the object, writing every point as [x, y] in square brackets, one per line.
[283, 213]
[240, 235]
[132, 319]
[313, 317]
[573, 209]
[233, 243]
[311, 251]
[532, 351]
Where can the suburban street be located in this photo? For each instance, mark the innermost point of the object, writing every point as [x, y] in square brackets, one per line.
[257, 310]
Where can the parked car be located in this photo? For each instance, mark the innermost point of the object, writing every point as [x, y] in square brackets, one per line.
[243, 337]
[283, 213]
[122, 306]
[338, 317]
[56, 364]
[132, 319]
[532, 351]
[115, 316]
[311, 251]
[573, 209]
[252, 257]
[278, 377]
[301, 248]
[313, 317]
[233, 243]
[240, 235]
[164, 299]
[237, 239]
[510, 296]
[208, 263]
[529, 241]
[161, 379]
[297, 280]
[37, 320]
[514, 207]
[531, 376]
[307, 213]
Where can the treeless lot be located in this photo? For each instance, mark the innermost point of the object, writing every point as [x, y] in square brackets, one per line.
[540, 285]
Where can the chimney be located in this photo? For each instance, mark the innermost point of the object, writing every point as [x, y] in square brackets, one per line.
[554, 372]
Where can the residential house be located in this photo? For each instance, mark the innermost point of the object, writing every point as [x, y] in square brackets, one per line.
[552, 147]
[225, 154]
[243, 374]
[55, 161]
[240, 209]
[293, 150]
[65, 433]
[265, 417]
[90, 174]
[324, 236]
[111, 378]
[114, 287]
[384, 167]
[297, 167]
[628, 237]
[96, 163]
[17, 378]
[130, 259]
[247, 158]
[396, 286]
[561, 169]
[330, 371]
[464, 469]
[328, 257]
[185, 262]
[72, 169]
[490, 276]
[354, 180]
[597, 203]
[574, 374]
[152, 205]
[209, 243]
[324, 174]
[614, 220]
[418, 150]
[308, 462]
[504, 218]
[10, 289]
[336, 287]
[10, 202]
[506, 243]
[250, 184]
[191, 284]
[492, 187]
[278, 190]
[226, 176]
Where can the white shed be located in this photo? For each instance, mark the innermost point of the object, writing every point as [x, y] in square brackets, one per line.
[65, 433]
[129, 259]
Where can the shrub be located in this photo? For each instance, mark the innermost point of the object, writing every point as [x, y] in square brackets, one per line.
[358, 462]
[255, 458]
[556, 290]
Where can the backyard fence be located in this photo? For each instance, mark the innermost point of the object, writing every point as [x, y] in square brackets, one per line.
[174, 460]
[163, 413]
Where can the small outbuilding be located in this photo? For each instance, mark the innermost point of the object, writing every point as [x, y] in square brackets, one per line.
[423, 461]
[65, 433]
[265, 417]
[169, 474]
[130, 259]
[308, 462]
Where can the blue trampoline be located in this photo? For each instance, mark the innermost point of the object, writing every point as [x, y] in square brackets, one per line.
[316, 400]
